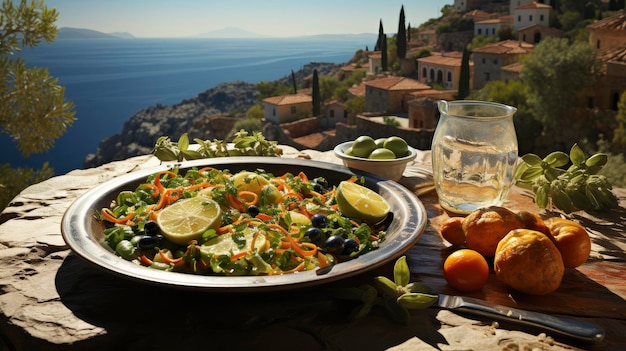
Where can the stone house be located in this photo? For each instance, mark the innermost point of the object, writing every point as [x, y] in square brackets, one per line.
[491, 27]
[530, 14]
[375, 64]
[517, 3]
[443, 68]
[533, 34]
[489, 60]
[608, 38]
[287, 108]
[388, 94]
[334, 112]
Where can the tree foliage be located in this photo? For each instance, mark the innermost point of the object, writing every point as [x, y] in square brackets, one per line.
[34, 110]
[464, 75]
[316, 96]
[554, 73]
[401, 36]
[619, 138]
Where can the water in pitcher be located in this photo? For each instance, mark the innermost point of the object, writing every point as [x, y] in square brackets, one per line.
[472, 174]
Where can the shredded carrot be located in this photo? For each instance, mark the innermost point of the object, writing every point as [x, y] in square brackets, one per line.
[292, 194]
[321, 258]
[278, 227]
[109, 216]
[254, 198]
[303, 176]
[206, 169]
[318, 195]
[312, 248]
[225, 229]
[296, 269]
[169, 260]
[264, 217]
[198, 186]
[145, 260]
[234, 202]
[239, 255]
[157, 179]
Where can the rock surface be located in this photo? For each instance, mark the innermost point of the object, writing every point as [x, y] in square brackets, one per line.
[201, 117]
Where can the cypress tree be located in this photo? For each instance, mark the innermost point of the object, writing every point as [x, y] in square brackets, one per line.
[383, 52]
[316, 94]
[464, 75]
[408, 32]
[293, 81]
[401, 36]
[378, 45]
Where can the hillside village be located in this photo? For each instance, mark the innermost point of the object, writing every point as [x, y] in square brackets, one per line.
[408, 94]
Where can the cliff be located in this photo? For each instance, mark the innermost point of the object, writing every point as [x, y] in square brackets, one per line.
[203, 116]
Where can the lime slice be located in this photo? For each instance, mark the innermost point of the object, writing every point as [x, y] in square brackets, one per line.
[225, 245]
[359, 202]
[187, 219]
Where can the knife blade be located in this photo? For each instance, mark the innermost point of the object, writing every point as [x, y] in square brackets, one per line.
[572, 328]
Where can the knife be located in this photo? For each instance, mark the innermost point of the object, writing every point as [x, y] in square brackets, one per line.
[572, 328]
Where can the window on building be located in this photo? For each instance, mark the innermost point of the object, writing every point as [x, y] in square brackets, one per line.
[519, 18]
[495, 61]
[432, 74]
[598, 44]
[331, 113]
[424, 72]
[487, 77]
[493, 31]
[484, 61]
[541, 18]
[274, 112]
[293, 110]
[530, 18]
[480, 31]
[449, 76]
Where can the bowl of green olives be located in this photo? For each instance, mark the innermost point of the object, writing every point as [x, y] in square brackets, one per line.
[385, 157]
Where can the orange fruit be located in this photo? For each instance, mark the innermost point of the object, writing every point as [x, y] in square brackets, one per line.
[466, 270]
[528, 261]
[485, 227]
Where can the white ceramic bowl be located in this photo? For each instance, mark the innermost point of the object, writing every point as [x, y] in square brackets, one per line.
[390, 169]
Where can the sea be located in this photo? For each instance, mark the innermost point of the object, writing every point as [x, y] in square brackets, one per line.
[109, 80]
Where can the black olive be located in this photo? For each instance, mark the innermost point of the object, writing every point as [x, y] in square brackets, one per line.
[253, 211]
[334, 244]
[319, 220]
[318, 188]
[148, 242]
[349, 246]
[314, 234]
[151, 228]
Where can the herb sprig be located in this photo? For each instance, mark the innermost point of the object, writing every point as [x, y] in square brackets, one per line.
[242, 145]
[578, 187]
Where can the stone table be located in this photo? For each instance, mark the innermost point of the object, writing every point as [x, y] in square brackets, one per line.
[53, 300]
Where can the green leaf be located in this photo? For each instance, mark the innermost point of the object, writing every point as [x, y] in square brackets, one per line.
[401, 272]
[531, 174]
[183, 142]
[557, 159]
[541, 196]
[532, 159]
[577, 155]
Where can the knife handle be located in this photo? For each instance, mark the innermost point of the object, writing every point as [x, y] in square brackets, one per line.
[572, 328]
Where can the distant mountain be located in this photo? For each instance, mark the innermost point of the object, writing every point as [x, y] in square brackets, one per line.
[82, 33]
[230, 32]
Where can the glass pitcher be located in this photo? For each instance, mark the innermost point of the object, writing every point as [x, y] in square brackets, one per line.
[474, 153]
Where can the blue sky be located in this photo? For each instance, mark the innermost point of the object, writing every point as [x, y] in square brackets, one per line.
[278, 18]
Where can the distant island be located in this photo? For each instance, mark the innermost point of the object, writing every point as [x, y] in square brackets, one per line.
[82, 33]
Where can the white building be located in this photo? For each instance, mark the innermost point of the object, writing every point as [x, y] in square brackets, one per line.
[531, 14]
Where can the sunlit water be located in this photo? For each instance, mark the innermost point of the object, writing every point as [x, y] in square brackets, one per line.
[109, 80]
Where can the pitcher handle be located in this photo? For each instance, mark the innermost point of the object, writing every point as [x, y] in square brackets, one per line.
[443, 106]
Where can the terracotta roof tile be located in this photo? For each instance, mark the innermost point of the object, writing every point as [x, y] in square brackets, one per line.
[534, 5]
[613, 23]
[397, 83]
[357, 90]
[447, 59]
[514, 67]
[288, 99]
[506, 47]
